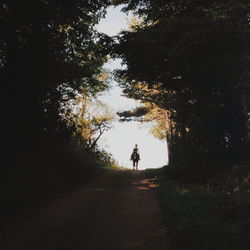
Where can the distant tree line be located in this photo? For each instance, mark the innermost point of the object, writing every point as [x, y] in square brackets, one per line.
[191, 59]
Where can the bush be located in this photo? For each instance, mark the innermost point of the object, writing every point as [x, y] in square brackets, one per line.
[40, 171]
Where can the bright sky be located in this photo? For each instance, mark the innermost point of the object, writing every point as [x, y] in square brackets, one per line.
[120, 140]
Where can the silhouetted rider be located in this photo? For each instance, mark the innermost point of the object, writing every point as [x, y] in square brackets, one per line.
[135, 152]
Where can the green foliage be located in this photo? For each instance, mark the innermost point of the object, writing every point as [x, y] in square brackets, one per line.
[204, 215]
[91, 118]
[193, 55]
[49, 51]
[46, 171]
[135, 114]
[203, 221]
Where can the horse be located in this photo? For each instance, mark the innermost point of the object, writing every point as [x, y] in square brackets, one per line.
[135, 158]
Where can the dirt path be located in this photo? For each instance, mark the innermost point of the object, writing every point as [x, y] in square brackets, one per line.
[117, 211]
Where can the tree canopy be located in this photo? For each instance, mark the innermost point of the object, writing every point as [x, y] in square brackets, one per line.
[49, 52]
[187, 61]
[193, 59]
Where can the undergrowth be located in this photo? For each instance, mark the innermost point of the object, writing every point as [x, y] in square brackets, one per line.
[209, 215]
[36, 174]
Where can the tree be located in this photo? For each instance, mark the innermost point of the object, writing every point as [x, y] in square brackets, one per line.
[92, 118]
[194, 53]
[49, 50]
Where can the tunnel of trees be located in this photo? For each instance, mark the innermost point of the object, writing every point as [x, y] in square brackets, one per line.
[186, 61]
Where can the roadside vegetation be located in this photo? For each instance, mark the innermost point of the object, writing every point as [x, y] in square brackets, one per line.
[47, 172]
[210, 213]
[188, 64]
[51, 66]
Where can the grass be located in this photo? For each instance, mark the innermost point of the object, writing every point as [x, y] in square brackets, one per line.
[36, 175]
[204, 218]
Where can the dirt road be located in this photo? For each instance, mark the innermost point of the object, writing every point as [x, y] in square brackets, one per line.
[117, 211]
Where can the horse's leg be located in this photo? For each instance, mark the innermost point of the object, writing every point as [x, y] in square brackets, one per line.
[136, 165]
[133, 165]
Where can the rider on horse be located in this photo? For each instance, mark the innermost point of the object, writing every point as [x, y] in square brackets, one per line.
[135, 157]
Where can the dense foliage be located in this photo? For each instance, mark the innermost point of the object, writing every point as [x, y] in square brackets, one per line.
[194, 57]
[49, 52]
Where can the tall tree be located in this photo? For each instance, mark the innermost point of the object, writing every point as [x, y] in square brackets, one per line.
[196, 53]
[49, 50]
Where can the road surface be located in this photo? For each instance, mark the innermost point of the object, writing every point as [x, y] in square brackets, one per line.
[119, 210]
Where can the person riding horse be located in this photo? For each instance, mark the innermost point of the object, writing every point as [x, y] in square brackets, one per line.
[135, 157]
